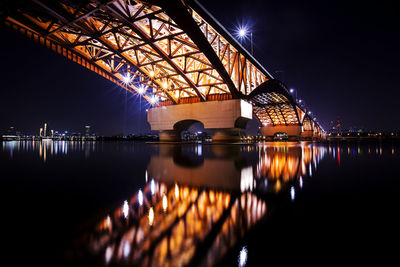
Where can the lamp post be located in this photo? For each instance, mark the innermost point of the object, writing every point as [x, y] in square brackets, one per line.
[141, 91]
[242, 32]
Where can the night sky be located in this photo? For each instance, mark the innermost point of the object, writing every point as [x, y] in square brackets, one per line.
[342, 57]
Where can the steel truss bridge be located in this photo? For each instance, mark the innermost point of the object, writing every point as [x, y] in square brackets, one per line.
[168, 51]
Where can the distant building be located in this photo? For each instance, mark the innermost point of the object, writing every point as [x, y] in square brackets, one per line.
[87, 131]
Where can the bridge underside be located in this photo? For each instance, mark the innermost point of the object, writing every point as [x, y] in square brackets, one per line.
[172, 53]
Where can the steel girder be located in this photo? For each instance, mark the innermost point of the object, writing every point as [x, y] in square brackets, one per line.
[273, 105]
[165, 50]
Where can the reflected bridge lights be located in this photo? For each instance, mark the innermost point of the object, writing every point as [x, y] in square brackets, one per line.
[140, 197]
[151, 216]
[176, 191]
[242, 259]
[292, 193]
[125, 209]
[165, 203]
[152, 187]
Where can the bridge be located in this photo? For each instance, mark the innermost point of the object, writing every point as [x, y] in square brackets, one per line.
[174, 54]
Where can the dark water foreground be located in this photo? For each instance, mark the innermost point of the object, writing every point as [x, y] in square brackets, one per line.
[137, 204]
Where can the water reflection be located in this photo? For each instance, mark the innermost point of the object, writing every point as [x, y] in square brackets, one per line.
[198, 206]
[54, 148]
[49, 148]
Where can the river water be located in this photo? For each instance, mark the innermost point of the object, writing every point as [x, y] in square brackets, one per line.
[140, 204]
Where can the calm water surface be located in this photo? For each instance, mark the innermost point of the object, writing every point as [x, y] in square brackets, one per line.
[138, 204]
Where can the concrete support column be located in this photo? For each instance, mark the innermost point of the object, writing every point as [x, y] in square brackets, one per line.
[169, 135]
[222, 118]
[224, 135]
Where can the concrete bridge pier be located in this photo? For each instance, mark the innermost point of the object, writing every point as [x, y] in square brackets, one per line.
[223, 119]
[169, 135]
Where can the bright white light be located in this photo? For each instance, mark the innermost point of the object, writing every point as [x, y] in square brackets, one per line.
[140, 197]
[309, 112]
[127, 78]
[151, 73]
[242, 257]
[153, 100]
[125, 209]
[152, 186]
[165, 85]
[292, 193]
[141, 90]
[292, 90]
[300, 101]
[199, 150]
[242, 32]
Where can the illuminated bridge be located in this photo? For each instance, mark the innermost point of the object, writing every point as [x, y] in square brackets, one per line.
[171, 52]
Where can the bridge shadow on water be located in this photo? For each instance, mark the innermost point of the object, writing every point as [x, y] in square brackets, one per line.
[198, 204]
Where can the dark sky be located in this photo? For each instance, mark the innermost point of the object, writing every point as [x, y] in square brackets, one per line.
[342, 57]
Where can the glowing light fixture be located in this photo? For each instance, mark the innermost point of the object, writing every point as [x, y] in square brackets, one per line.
[151, 73]
[141, 90]
[127, 78]
[153, 100]
[242, 32]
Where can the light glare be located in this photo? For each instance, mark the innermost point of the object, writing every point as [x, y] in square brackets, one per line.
[242, 257]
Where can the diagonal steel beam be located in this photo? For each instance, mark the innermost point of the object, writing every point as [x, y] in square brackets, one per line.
[139, 32]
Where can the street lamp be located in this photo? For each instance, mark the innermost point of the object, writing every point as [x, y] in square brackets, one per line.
[241, 34]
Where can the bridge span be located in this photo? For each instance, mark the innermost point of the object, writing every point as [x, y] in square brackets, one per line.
[174, 54]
